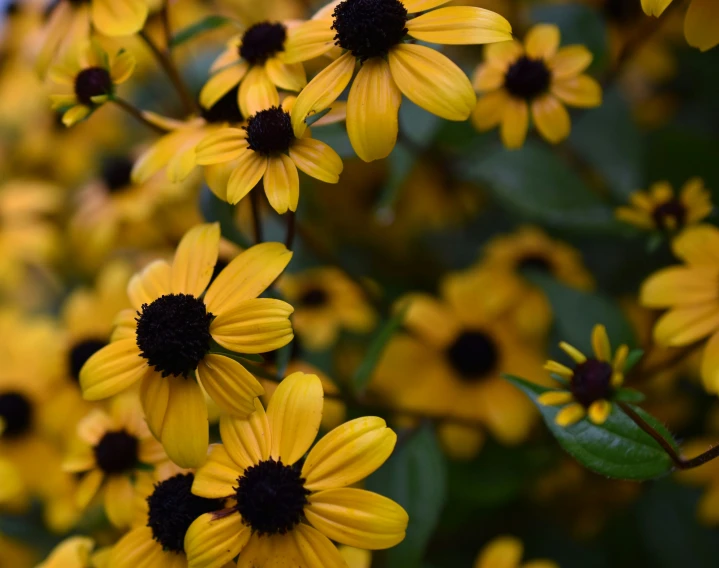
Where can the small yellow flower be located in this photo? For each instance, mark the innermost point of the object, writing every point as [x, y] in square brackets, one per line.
[266, 149]
[172, 340]
[591, 383]
[373, 34]
[86, 80]
[538, 76]
[253, 61]
[506, 552]
[283, 511]
[660, 209]
[701, 24]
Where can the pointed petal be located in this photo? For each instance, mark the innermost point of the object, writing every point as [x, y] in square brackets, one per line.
[315, 549]
[257, 92]
[247, 440]
[316, 159]
[75, 114]
[221, 83]
[555, 398]
[88, 487]
[137, 549]
[490, 109]
[232, 387]
[681, 285]
[249, 169]
[112, 369]
[221, 146]
[570, 61]
[542, 41]
[600, 343]
[184, 433]
[686, 324]
[460, 25]
[154, 281]
[655, 7]
[195, 259]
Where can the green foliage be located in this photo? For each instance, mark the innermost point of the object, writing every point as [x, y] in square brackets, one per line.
[213, 209]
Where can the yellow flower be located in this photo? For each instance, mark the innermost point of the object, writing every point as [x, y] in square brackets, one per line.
[268, 150]
[659, 209]
[529, 248]
[506, 552]
[326, 301]
[86, 80]
[253, 61]
[538, 75]
[373, 34]
[450, 363]
[73, 552]
[284, 512]
[691, 294]
[701, 25]
[591, 384]
[110, 449]
[12, 486]
[173, 339]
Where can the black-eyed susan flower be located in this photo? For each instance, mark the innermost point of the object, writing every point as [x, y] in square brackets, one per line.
[168, 508]
[326, 301]
[510, 257]
[268, 150]
[659, 209]
[689, 293]
[450, 362]
[253, 60]
[110, 449]
[283, 510]
[507, 552]
[173, 339]
[86, 79]
[591, 383]
[701, 24]
[538, 76]
[375, 34]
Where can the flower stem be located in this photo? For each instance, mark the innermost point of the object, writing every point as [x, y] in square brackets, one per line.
[256, 217]
[291, 223]
[138, 114]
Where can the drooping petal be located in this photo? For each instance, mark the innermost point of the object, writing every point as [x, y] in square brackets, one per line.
[112, 369]
[542, 41]
[515, 123]
[287, 76]
[247, 276]
[257, 92]
[185, 435]
[258, 325]
[137, 549]
[490, 109]
[582, 91]
[322, 91]
[282, 183]
[222, 82]
[154, 281]
[655, 7]
[357, 518]
[248, 172]
[551, 118]
[247, 440]
[195, 259]
[701, 25]
[73, 552]
[294, 415]
[119, 505]
[373, 110]
[460, 25]
[88, 487]
[232, 387]
[155, 396]
[432, 81]
[316, 159]
[315, 549]
[308, 40]
[211, 541]
[348, 454]
[119, 17]
[217, 477]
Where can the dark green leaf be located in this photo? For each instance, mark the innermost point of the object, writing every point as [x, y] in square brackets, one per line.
[416, 478]
[629, 395]
[364, 372]
[632, 359]
[577, 312]
[618, 448]
[205, 25]
[311, 119]
[213, 209]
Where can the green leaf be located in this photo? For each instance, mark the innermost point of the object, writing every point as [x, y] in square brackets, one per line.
[576, 313]
[214, 209]
[633, 358]
[618, 448]
[364, 372]
[538, 185]
[311, 119]
[241, 357]
[205, 25]
[416, 478]
[629, 395]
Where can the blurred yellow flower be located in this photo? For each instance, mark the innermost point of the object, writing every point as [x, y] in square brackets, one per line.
[701, 25]
[506, 552]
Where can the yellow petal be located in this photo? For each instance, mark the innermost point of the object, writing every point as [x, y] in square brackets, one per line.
[119, 17]
[710, 365]
[282, 183]
[247, 276]
[195, 259]
[570, 61]
[294, 415]
[555, 398]
[308, 40]
[487, 78]
[490, 109]
[73, 552]
[459, 25]
[356, 557]
[221, 146]
[257, 325]
[600, 343]
[701, 25]
[357, 518]
[687, 324]
[429, 319]
[348, 454]
[88, 487]
[559, 369]
[573, 352]
[112, 369]
[119, 505]
[372, 111]
[247, 440]
[599, 411]
[515, 123]
[655, 7]
[502, 552]
[154, 281]
[679, 285]
[137, 549]
[316, 159]
[414, 6]
[581, 91]
[287, 76]
[212, 541]
[322, 91]
[551, 118]
[249, 169]
[257, 92]
[502, 55]
[570, 414]
[217, 176]
[75, 114]
[272, 551]
[229, 384]
[314, 548]
[432, 81]
[155, 396]
[542, 41]
[184, 433]
[122, 66]
[221, 83]
[217, 477]
[698, 245]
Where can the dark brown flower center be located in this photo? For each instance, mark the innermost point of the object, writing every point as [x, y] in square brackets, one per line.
[116, 173]
[270, 131]
[80, 352]
[369, 28]
[670, 215]
[473, 355]
[262, 41]
[591, 381]
[314, 298]
[117, 452]
[227, 109]
[16, 413]
[527, 78]
[92, 82]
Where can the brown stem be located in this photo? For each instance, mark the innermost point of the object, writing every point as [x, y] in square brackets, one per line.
[256, 216]
[291, 225]
[137, 113]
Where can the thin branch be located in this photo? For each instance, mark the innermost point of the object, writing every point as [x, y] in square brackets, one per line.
[256, 216]
[138, 115]
[291, 225]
